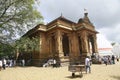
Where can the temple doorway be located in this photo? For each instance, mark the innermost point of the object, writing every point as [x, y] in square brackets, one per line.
[80, 45]
[65, 42]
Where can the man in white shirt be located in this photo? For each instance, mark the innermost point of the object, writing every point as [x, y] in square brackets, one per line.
[4, 63]
[0, 65]
[23, 62]
[88, 64]
[54, 63]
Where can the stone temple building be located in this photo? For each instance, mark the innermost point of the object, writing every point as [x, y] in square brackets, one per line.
[64, 40]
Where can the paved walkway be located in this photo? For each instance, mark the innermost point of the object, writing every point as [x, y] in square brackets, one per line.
[99, 72]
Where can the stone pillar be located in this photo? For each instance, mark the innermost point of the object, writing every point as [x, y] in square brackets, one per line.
[50, 46]
[94, 44]
[89, 45]
[70, 44]
[84, 40]
[59, 44]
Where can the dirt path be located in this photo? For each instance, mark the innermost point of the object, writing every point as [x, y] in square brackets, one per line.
[99, 72]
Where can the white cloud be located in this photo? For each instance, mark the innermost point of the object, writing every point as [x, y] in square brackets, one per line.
[112, 33]
[104, 14]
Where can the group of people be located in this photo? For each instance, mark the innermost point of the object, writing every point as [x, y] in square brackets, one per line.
[3, 64]
[109, 59]
[52, 62]
[105, 59]
[9, 63]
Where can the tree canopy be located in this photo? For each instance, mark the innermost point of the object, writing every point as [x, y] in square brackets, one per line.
[24, 44]
[27, 44]
[6, 50]
[16, 17]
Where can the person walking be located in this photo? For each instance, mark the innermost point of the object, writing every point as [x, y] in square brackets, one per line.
[4, 63]
[0, 65]
[23, 62]
[117, 59]
[88, 64]
[54, 63]
[113, 59]
[105, 60]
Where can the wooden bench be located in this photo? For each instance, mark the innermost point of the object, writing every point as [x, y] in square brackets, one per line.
[76, 68]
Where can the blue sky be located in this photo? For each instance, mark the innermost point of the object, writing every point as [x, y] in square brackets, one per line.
[104, 14]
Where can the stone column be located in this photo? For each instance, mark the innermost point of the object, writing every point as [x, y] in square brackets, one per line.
[50, 46]
[94, 44]
[84, 43]
[89, 45]
[70, 44]
[59, 43]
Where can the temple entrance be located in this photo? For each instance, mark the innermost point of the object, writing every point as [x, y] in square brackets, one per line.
[65, 42]
[80, 45]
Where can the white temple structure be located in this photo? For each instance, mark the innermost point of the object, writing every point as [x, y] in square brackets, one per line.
[104, 46]
[116, 49]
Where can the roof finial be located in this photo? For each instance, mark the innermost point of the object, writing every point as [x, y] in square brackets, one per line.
[61, 15]
[85, 12]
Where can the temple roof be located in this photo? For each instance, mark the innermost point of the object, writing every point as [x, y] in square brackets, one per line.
[63, 19]
[85, 19]
[83, 23]
[33, 30]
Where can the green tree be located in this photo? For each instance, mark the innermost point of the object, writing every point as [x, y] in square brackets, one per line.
[113, 43]
[6, 50]
[25, 44]
[16, 17]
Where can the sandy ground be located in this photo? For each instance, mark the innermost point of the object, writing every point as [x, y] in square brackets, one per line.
[99, 72]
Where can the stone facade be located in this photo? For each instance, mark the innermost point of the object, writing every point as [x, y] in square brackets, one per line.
[65, 40]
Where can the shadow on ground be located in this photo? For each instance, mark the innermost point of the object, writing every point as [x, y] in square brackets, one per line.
[116, 77]
[76, 76]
